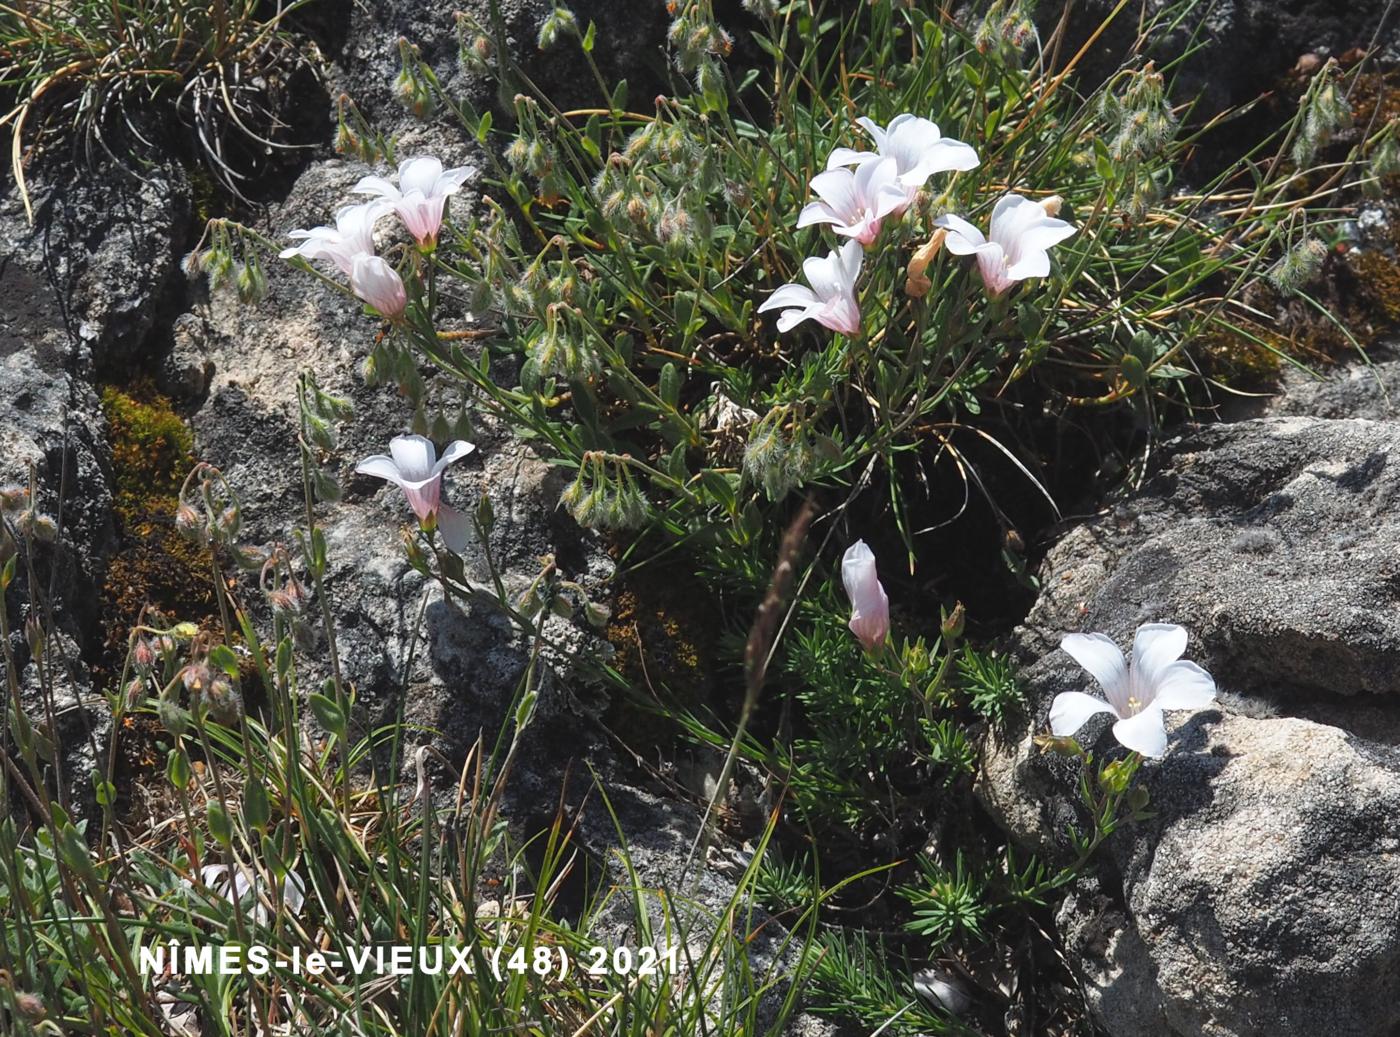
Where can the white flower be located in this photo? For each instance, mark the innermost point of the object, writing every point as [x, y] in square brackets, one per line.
[376, 282]
[855, 203]
[1158, 679]
[216, 877]
[413, 465]
[1022, 233]
[350, 238]
[423, 190]
[917, 147]
[870, 606]
[831, 301]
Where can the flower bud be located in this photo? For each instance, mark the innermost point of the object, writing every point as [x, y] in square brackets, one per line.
[30, 1008]
[954, 622]
[142, 654]
[916, 283]
[13, 498]
[1060, 745]
[188, 524]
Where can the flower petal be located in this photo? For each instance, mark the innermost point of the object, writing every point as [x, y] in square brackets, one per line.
[454, 527]
[1030, 264]
[816, 212]
[1155, 647]
[963, 238]
[839, 189]
[824, 274]
[375, 185]
[381, 466]
[789, 295]
[414, 456]
[876, 134]
[789, 319]
[456, 450]
[1100, 656]
[1145, 733]
[1071, 710]
[849, 157]
[1184, 685]
[419, 173]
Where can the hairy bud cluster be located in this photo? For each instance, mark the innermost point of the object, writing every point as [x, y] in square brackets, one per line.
[605, 494]
[780, 455]
[1140, 119]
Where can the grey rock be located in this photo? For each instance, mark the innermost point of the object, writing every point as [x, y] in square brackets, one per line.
[1253, 901]
[1368, 388]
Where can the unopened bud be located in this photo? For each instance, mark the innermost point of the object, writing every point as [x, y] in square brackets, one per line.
[188, 524]
[954, 622]
[30, 1008]
[917, 284]
[13, 498]
[143, 654]
[1060, 745]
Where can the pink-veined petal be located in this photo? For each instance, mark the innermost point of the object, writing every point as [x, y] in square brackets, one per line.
[840, 314]
[1184, 685]
[1144, 733]
[1071, 710]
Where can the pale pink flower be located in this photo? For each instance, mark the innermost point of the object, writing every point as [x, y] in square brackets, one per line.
[376, 282]
[917, 147]
[1158, 679]
[423, 189]
[831, 301]
[413, 465]
[870, 607]
[350, 238]
[1022, 234]
[856, 203]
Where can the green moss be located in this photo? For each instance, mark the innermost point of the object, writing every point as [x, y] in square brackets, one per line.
[1242, 359]
[152, 451]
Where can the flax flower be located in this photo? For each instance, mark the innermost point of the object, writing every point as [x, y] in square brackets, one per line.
[421, 195]
[856, 203]
[413, 465]
[350, 238]
[376, 282]
[831, 301]
[917, 147]
[1158, 679]
[1023, 231]
[870, 606]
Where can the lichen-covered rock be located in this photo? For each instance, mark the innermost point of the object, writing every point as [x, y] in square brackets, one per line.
[1256, 900]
